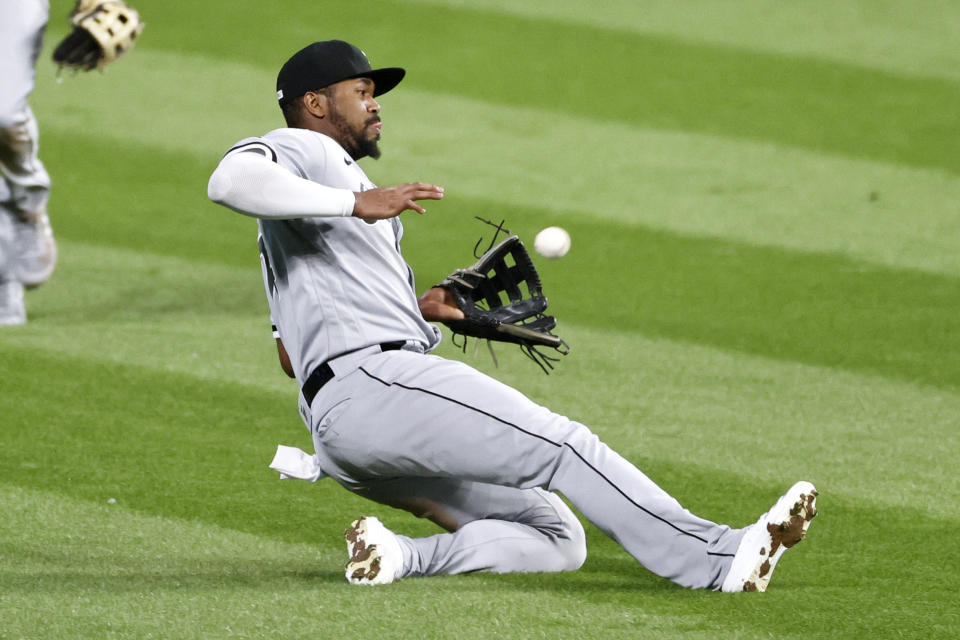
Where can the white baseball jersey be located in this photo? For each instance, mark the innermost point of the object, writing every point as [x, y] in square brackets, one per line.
[334, 284]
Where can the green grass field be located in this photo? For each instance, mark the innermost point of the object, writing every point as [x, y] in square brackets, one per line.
[764, 200]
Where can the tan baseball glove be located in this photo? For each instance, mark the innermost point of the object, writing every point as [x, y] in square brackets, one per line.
[102, 32]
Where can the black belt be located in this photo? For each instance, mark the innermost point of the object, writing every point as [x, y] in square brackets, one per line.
[323, 374]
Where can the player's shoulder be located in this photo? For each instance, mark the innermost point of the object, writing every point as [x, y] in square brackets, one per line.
[309, 153]
[287, 143]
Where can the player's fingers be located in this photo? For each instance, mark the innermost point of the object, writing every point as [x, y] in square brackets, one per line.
[424, 187]
[423, 194]
[415, 207]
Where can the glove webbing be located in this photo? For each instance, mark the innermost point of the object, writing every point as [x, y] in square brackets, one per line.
[520, 318]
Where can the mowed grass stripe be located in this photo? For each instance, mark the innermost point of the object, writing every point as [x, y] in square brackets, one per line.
[920, 33]
[108, 571]
[144, 199]
[576, 166]
[158, 442]
[171, 314]
[558, 168]
[665, 83]
[647, 80]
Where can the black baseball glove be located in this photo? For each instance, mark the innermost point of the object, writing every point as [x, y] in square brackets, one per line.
[102, 32]
[502, 299]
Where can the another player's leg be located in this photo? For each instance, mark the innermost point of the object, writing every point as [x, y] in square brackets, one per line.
[36, 249]
[492, 528]
[28, 185]
[12, 310]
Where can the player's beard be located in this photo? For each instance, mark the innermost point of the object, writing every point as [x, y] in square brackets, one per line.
[355, 142]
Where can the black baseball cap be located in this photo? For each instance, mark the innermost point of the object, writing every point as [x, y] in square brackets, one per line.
[322, 64]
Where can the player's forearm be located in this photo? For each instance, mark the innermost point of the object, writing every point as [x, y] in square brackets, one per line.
[253, 185]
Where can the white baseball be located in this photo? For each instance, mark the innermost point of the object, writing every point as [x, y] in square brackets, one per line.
[552, 242]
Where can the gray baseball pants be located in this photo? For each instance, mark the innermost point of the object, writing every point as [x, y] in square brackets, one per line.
[24, 181]
[444, 441]
[25, 185]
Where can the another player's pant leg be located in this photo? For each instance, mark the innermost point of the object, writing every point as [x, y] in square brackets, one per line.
[12, 309]
[27, 189]
[27, 178]
[494, 528]
[21, 40]
[7, 234]
[425, 416]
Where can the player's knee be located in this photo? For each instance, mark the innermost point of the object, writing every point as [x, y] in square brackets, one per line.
[569, 536]
[573, 545]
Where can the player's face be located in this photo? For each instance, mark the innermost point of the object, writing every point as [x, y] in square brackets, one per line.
[356, 116]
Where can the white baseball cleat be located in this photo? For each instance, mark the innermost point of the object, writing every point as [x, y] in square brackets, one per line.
[765, 541]
[375, 553]
[36, 250]
[12, 309]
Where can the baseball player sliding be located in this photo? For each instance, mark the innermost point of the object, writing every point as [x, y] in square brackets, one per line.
[395, 424]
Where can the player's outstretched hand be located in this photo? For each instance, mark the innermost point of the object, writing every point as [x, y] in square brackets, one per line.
[387, 202]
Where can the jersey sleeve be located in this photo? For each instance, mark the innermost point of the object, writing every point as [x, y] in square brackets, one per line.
[254, 179]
